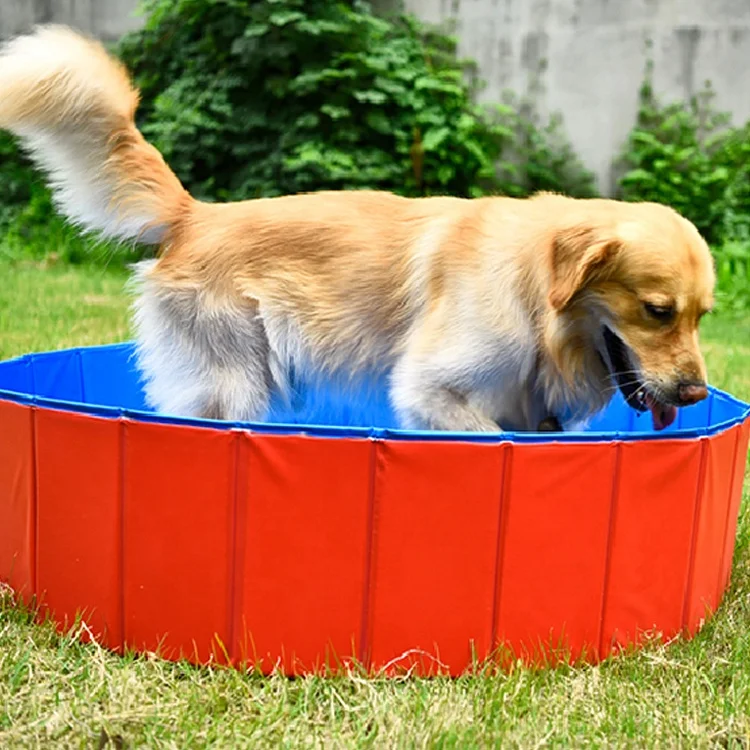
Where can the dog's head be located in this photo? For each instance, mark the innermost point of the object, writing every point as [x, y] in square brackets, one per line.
[638, 277]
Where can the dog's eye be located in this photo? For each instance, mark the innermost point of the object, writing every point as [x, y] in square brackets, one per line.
[662, 313]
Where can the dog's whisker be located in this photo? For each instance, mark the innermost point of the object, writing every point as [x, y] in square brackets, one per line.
[613, 388]
[627, 372]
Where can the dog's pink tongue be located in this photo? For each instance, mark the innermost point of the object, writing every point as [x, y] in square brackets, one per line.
[662, 414]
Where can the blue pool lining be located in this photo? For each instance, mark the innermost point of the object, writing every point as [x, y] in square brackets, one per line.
[377, 433]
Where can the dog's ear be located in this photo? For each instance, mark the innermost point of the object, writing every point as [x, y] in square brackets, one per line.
[577, 256]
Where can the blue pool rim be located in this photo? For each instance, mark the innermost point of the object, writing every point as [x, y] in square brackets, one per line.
[734, 412]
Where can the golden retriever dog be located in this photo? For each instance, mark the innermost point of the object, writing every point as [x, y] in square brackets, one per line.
[485, 314]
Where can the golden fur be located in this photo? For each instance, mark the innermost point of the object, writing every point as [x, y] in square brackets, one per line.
[485, 312]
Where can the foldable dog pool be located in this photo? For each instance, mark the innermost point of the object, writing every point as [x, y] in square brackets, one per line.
[298, 547]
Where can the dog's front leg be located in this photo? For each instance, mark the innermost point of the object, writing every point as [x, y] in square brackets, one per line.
[422, 404]
[440, 409]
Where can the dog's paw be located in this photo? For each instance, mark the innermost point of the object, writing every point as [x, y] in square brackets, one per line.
[550, 424]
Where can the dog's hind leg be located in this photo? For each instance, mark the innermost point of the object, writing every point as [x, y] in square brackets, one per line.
[238, 393]
[200, 359]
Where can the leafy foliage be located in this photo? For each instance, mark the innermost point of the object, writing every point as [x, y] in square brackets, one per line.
[688, 155]
[673, 156]
[17, 178]
[732, 260]
[283, 96]
[29, 225]
[735, 158]
[270, 97]
[543, 158]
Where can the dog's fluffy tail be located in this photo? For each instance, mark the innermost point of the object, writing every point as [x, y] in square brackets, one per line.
[72, 106]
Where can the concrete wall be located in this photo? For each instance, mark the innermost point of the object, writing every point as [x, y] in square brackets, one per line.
[107, 19]
[584, 58]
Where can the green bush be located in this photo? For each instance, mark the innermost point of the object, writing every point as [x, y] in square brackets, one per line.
[284, 96]
[674, 156]
[272, 97]
[29, 226]
[735, 158]
[689, 156]
[543, 158]
[17, 178]
[733, 275]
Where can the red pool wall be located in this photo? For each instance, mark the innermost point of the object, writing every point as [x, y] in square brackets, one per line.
[298, 553]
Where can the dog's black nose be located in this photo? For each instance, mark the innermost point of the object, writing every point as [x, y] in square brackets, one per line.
[691, 393]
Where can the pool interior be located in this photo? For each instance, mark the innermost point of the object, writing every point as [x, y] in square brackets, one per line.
[103, 380]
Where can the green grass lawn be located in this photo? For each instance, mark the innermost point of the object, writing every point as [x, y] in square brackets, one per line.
[57, 693]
